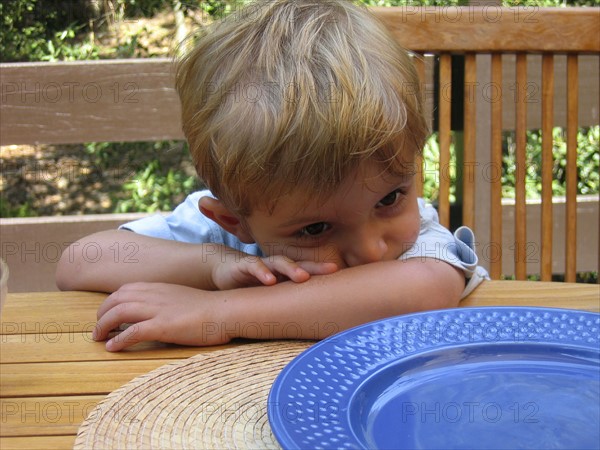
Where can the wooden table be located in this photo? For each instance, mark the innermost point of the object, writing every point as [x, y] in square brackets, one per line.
[52, 374]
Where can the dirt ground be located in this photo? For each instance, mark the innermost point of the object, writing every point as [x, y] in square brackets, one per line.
[68, 180]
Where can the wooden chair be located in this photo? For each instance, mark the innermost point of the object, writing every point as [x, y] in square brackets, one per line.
[496, 31]
[133, 100]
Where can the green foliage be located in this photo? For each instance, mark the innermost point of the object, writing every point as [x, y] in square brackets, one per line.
[8, 210]
[49, 30]
[66, 47]
[588, 165]
[140, 8]
[154, 190]
[580, 277]
[216, 8]
[431, 170]
[156, 176]
[20, 39]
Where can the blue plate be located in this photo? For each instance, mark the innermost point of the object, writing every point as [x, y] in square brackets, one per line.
[493, 377]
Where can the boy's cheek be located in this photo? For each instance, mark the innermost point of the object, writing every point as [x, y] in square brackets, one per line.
[407, 241]
[328, 253]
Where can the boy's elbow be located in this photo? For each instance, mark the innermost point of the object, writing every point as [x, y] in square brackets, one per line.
[67, 270]
[79, 270]
[452, 286]
[446, 291]
[73, 271]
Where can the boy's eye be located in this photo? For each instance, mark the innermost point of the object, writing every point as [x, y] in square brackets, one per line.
[314, 229]
[389, 199]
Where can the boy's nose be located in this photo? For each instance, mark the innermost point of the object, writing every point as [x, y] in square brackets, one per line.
[366, 250]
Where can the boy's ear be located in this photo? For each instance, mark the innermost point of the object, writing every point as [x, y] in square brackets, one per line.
[216, 211]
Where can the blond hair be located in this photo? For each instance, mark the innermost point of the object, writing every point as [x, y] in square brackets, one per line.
[286, 94]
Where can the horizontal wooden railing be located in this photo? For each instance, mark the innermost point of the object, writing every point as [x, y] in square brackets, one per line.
[489, 29]
[88, 101]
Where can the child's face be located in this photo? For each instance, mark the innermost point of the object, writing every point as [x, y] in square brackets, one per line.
[372, 217]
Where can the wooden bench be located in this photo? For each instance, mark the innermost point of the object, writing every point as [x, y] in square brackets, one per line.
[133, 100]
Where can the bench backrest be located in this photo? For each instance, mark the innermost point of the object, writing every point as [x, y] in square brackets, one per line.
[134, 100]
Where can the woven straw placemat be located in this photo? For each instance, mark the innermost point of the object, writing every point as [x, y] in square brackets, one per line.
[215, 400]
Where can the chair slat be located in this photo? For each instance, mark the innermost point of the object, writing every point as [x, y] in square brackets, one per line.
[445, 101]
[469, 157]
[547, 163]
[521, 169]
[572, 125]
[419, 62]
[496, 174]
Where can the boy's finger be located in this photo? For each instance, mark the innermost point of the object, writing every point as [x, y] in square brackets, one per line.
[115, 317]
[286, 267]
[290, 269]
[134, 334]
[128, 292]
[109, 303]
[318, 268]
[262, 272]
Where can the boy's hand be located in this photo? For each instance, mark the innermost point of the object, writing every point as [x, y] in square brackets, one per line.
[160, 312]
[242, 270]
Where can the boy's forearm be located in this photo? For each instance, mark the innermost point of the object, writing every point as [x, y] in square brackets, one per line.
[107, 260]
[325, 305]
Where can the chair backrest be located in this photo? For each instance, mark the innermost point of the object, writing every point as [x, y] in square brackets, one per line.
[500, 32]
[134, 100]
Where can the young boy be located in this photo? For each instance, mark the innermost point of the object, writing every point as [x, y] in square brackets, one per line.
[303, 119]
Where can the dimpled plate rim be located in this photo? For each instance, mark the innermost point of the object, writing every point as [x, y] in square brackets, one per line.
[308, 392]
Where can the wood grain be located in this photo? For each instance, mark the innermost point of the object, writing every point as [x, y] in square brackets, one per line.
[48, 312]
[59, 345]
[572, 179]
[89, 101]
[492, 28]
[520, 225]
[537, 294]
[68, 378]
[45, 416]
[470, 132]
[445, 107]
[547, 164]
[38, 443]
[496, 174]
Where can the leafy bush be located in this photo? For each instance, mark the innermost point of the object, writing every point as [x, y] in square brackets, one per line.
[431, 169]
[8, 210]
[154, 190]
[49, 30]
[588, 163]
[155, 176]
